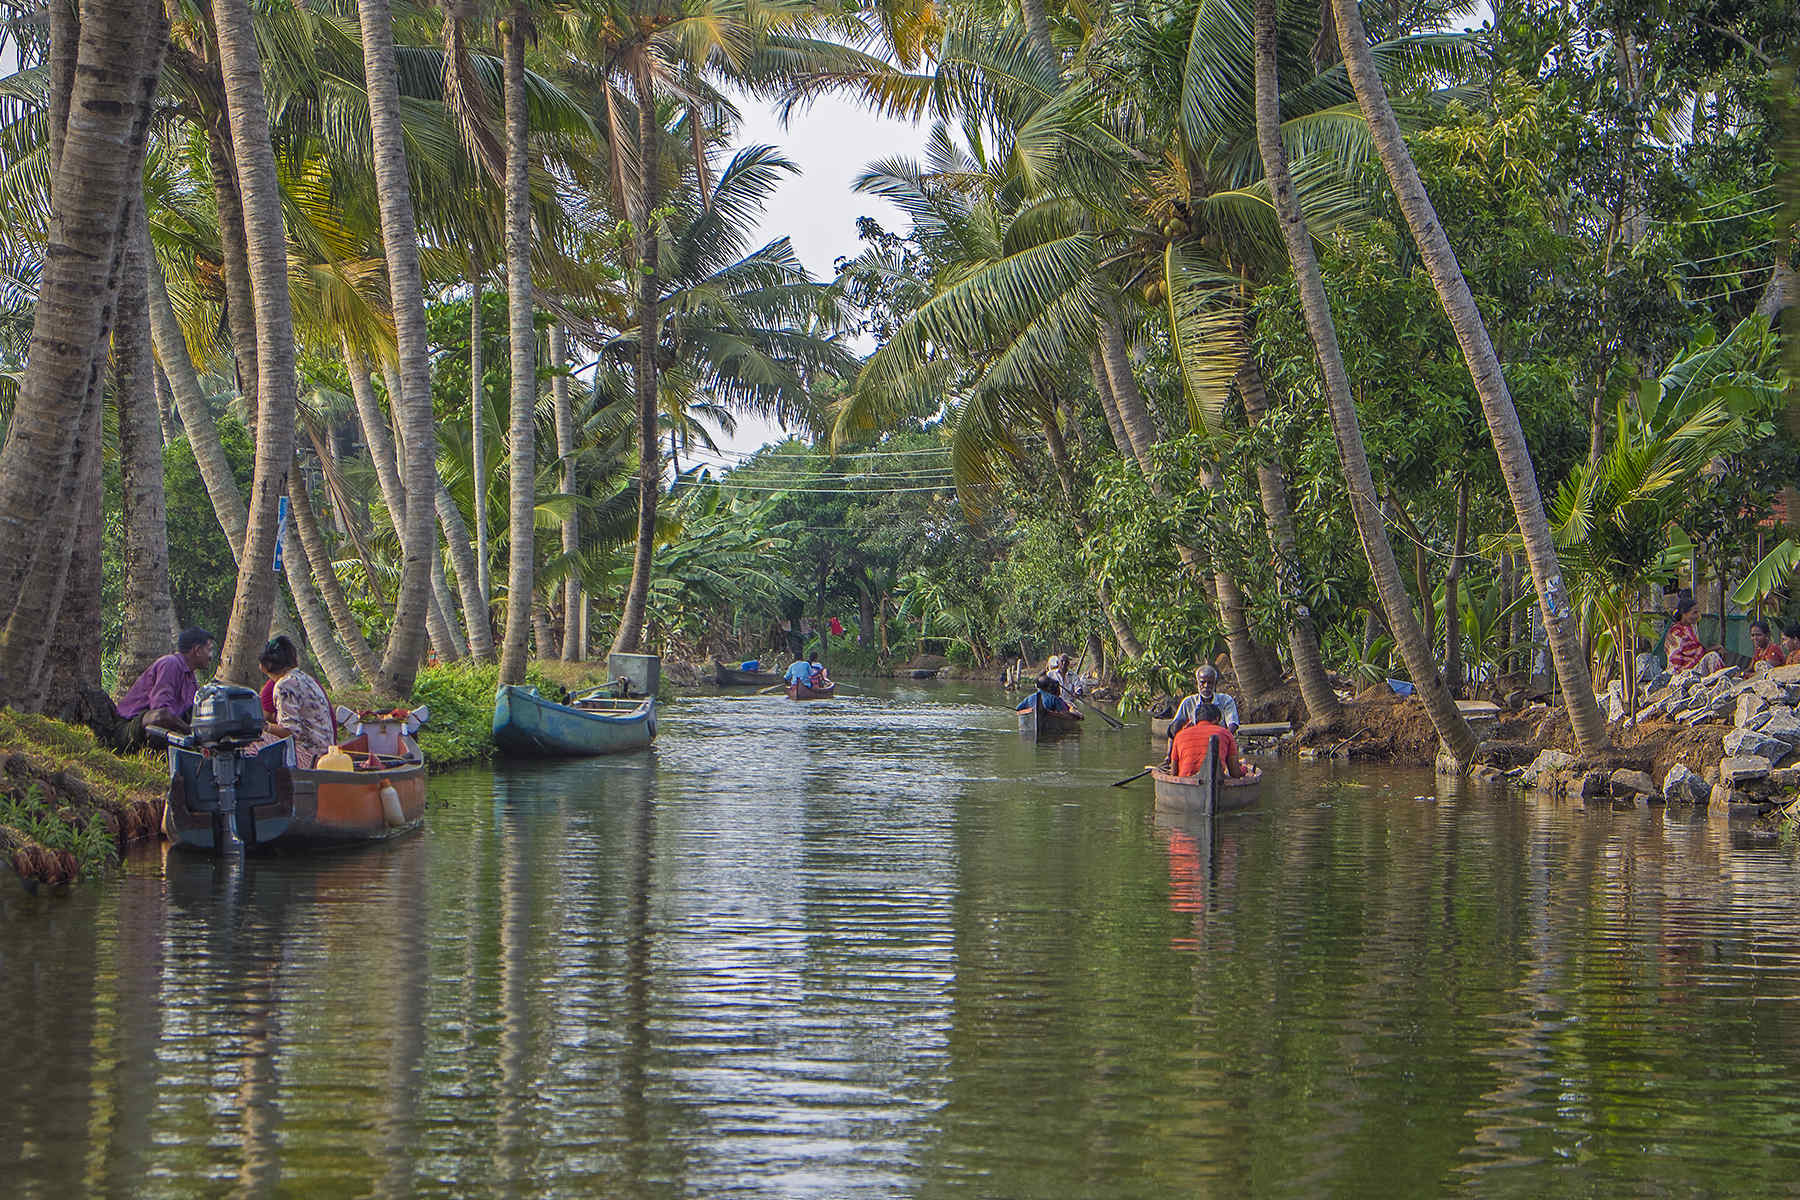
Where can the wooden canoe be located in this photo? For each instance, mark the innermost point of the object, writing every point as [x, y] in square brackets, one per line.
[726, 676]
[1208, 792]
[923, 673]
[280, 807]
[1037, 724]
[1159, 728]
[800, 691]
[528, 726]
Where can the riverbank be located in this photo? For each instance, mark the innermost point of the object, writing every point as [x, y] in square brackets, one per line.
[70, 807]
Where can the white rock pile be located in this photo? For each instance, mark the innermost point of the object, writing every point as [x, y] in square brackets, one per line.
[1764, 735]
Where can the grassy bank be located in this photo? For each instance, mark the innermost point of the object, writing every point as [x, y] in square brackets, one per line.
[69, 806]
[461, 698]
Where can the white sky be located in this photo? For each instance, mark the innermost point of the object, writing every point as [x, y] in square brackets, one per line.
[831, 141]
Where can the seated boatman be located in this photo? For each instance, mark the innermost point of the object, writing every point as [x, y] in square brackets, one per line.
[799, 671]
[1187, 749]
[1206, 684]
[163, 696]
[1048, 697]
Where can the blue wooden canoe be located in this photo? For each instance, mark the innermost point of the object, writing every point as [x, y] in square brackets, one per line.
[530, 726]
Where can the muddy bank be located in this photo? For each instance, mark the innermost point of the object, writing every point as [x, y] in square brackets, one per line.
[68, 806]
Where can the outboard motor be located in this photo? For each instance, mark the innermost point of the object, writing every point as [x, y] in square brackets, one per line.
[226, 719]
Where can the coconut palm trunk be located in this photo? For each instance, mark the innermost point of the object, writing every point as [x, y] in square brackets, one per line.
[522, 548]
[318, 555]
[478, 438]
[1247, 661]
[111, 60]
[1458, 303]
[266, 248]
[1365, 508]
[468, 576]
[1322, 704]
[412, 403]
[572, 649]
[637, 595]
[148, 610]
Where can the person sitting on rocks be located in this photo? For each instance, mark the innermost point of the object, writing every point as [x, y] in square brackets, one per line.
[1790, 643]
[1683, 646]
[1768, 654]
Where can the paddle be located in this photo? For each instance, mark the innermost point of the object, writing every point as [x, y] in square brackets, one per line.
[772, 688]
[1134, 778]
[1104, 715]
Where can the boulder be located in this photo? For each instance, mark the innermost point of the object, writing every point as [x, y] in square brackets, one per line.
[1740, 768]
[1724, 795]
[1769, 690]
[1682, 786]
[1637, 783]
[1585, 785]
[1544, 768]
[1784, 777]
[1754, 742]
[1783, 726]
[1749, 705]
[1783, 675]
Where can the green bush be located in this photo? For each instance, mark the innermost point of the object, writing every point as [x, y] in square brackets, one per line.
[461, 698]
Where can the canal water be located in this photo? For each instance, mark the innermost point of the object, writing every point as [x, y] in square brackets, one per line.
[878, 947]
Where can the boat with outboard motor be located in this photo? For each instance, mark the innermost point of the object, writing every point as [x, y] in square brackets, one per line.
[222, 790]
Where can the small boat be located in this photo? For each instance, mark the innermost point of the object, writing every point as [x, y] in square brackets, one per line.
[1159, 728]
[801, 691]
[1208, 792]
[216, 791]
[1036, 724]
[529, 726]
[726, 676]
[923, 673]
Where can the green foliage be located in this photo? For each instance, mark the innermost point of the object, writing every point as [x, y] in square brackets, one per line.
[461, 698]
[202, 573]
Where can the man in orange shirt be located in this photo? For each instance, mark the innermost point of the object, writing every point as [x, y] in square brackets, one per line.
[1187, 749]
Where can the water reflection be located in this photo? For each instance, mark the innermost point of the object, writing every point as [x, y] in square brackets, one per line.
[877, 946]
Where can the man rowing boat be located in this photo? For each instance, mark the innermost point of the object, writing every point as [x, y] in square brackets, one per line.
[1206, 685]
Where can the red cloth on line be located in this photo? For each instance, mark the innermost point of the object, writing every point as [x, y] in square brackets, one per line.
[1188, 748]
[837, 627]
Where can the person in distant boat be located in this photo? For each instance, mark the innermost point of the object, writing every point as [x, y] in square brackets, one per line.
[1682, 644]
[301, 710]
[1064, 674]
[1048, 697]
[819, 680]
[1206, 690]
[1187, 749]
[800, 672]
[163, 696]
[1768, 654]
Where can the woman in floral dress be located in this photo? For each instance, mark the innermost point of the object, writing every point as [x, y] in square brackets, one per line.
[301, 710]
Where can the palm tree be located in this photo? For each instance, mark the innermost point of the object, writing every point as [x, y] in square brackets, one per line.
[95, 167]
[522, 448]
[259, 190]
[1484, 369]
[573, 649]
[149, 616]
[412, 404]
[1365, 507]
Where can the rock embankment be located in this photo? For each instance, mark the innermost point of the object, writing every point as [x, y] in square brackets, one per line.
[1718, 739]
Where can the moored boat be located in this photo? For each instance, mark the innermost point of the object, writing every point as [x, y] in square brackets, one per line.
[1037, 724]
[219, 791]
[726, 676]
[527, 725]
[801, 691]
[1159, 728]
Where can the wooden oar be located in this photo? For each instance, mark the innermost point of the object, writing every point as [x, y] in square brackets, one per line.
[1104, 715]
[772, 688]
[1134, 778]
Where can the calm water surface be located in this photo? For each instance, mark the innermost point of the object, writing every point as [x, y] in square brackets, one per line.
[878, 947]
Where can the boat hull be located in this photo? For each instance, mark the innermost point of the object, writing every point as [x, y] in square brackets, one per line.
[528, 726]
[1197, 795]
[726, 676]
[1036, 725]
[282, 807]
[800, 691]
[1159, 728]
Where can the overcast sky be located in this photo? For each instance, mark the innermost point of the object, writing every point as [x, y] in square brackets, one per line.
[832, 141]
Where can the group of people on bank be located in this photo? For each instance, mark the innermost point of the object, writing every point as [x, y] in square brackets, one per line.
[161, 700]
[1685, 650]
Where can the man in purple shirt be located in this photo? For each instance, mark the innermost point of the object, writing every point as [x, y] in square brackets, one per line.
[163, 695]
